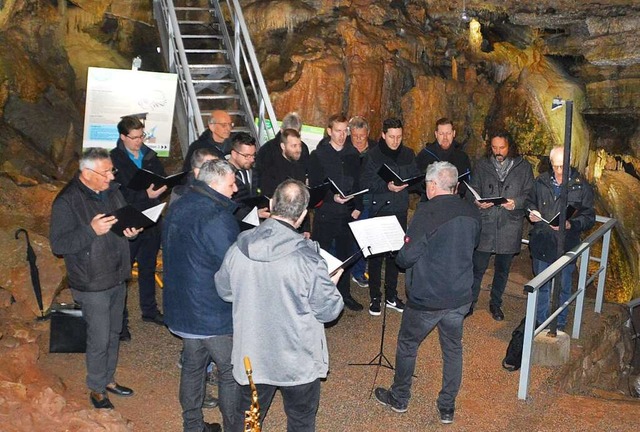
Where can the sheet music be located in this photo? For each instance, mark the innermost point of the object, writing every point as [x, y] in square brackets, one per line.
[378, 235]
[252, 218]
[153, 213]
[333, 263]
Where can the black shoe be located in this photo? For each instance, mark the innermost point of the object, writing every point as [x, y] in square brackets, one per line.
[125, 335]
[382, 396]
[352, 304]
[209, 401]
[374, 307]
[158, 318]
[100, 400]
[395, 304]
[212, 427]
[446, 415]
[119, 390]
[496, 312]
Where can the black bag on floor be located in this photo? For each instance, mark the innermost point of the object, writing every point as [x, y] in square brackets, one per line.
[68, 329]
[513, 359]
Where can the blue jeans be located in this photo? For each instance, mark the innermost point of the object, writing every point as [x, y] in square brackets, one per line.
[102, 311]
[415, 327]
[196, 358]
[502, 265]
[543, 311]
[300, 403]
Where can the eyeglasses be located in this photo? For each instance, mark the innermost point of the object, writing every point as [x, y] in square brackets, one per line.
[247, 156]
[140, 137]
[226, 125]
[113, 172]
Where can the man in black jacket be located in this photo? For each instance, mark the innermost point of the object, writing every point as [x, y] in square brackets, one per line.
[438, 255]
[242, 158]
[544, 202]
[215, 138]
[97, 261]
[340, 162]
[445, 148]
[387, 199]
[130, 155]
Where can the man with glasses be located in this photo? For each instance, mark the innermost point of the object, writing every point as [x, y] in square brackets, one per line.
[130, 155]
[98, 265]
[544, 202]
[242, 158]
[215, 138]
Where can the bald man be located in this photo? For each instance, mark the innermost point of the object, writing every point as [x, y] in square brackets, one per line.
[215, 138]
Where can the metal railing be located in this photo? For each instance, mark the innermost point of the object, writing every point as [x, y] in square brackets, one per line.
[260, 115]
[581, 251]
[245, 64]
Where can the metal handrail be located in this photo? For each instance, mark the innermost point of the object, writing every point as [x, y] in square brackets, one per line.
[177, 63]
[581, 251]
[246, 61]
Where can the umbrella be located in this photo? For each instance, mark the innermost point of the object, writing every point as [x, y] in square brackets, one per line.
[33, 267]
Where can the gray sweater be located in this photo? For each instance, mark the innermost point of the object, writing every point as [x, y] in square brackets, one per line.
[282, 296]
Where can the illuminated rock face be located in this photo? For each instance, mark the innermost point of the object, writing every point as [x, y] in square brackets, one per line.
[416, 60]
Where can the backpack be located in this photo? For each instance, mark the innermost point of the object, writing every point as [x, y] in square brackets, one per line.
[513, 357]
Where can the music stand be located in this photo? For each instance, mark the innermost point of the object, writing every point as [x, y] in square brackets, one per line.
[379, 235]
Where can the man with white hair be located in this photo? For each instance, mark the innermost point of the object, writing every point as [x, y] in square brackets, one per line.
[438, 256]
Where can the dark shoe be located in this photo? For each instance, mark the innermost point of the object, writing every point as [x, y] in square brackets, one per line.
[119, 390]
[468, 314]
[374, 307]
[100, 400]
[212, 427]
[352, 304]
[395, 304]
[125, 335]
[382, 396]
[446, 415]
[362, 281]
[496, 312]
[158, 318]
[209, 401]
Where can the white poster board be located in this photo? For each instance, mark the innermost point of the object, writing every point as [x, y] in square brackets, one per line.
[114, 93]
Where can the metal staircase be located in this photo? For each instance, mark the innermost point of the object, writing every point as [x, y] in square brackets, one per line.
[206, 42]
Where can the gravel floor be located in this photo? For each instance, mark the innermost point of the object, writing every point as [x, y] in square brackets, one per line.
[487, 400]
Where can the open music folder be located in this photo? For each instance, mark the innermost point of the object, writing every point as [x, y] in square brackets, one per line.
[334, 264]
[143, 178]
[378, 235]
[389, 175]
[130, 217]
[495, 200]
[337, 190]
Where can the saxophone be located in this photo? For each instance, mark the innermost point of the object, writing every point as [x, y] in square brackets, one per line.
[252, 415]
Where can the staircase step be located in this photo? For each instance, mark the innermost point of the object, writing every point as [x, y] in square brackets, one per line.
[197, 22]
[230, 112]
[208, 36]
[213, 81]
[192, 8]
[218, 97]
[205, 51]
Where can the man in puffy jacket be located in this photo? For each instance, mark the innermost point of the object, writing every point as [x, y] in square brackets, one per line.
[544, 203]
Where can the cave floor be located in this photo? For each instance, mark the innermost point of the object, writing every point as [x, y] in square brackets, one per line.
[487, 400]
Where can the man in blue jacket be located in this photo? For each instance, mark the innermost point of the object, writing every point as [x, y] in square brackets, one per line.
[438, 256]
[198, 230]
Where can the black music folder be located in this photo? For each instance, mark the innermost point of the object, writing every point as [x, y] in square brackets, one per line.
[495, 200]
[143, 178]
[130, 217]
[337, 190]
[389, 175]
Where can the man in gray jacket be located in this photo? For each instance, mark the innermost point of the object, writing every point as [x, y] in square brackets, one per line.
[503, 172]
[282, 295]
